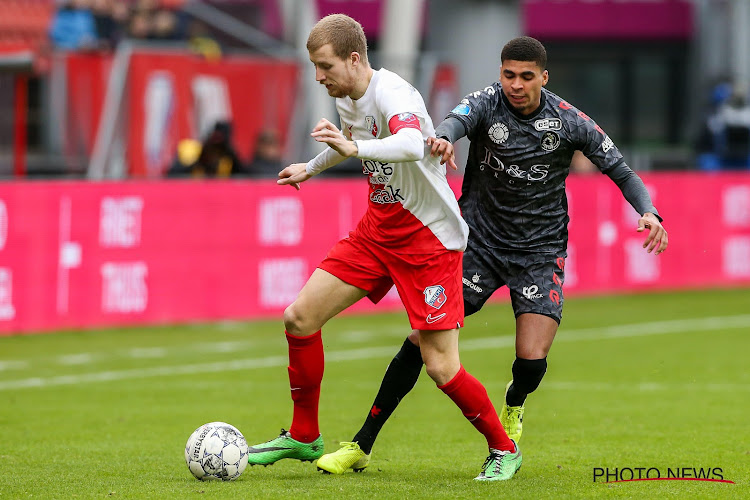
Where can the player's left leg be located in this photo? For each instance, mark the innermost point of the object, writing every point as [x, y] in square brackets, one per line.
[537, 297]
[440, 354]
[534, 336]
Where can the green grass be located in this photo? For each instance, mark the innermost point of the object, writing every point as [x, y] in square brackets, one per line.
[634, 381]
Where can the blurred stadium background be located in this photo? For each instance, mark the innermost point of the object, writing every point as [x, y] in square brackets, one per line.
[135, 95]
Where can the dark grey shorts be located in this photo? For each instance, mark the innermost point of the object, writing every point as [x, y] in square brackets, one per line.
[535, 281]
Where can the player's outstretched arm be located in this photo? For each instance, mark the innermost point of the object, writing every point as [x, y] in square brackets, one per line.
[443, 148]
[293, 175]
[657, 238]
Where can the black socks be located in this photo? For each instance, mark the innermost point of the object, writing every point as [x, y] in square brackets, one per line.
[398, 380]
[527, 374]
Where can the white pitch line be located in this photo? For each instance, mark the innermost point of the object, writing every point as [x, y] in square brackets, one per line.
[644, 387]
[618, 331]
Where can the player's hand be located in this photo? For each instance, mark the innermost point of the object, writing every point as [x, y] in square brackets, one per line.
[657, 235]
[327, 132]
[444, 149]
[293, 175]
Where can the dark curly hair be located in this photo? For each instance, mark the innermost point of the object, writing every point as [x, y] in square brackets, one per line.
[525, 48]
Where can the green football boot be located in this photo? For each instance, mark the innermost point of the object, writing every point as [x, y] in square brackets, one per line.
[284, 447]
[512, 418]
[500, 465]
[349, 456]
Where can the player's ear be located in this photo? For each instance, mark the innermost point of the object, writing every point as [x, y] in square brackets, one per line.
[545, 77]
[355, 58]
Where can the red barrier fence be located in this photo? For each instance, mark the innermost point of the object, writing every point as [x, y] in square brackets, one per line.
[172, 96]
[96, 254]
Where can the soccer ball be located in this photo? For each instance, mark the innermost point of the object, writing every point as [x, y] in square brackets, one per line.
[216, 450]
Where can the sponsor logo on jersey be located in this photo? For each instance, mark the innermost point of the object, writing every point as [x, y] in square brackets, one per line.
[535, 173]
[386, 195]
[462, 109]
[471, 285]
[531, 292]
[548, 124]
[607, 144]
[435, 296]
[372, 127]
[498, 133]
[550, 141]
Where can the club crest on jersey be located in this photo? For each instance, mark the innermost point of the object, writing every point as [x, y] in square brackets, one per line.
[550, 141]
[372, 127]
[462, 109]
[435, 296]
[498, 133]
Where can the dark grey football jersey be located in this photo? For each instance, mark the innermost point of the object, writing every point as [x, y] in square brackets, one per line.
[513, 193]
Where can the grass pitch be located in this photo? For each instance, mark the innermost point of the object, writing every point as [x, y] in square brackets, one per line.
[652, 381]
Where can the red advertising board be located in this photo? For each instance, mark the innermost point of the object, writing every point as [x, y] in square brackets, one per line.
[80, 255]
[174, 95]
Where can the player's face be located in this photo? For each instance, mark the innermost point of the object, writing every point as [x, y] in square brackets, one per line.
[336, 74]
[522, 83]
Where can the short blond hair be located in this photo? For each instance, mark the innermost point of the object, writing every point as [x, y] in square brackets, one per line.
[343, 33]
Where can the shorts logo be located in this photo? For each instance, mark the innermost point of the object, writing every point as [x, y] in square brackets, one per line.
[435, 296]
[372, 127]
[475, 278]
[431, 319]
[498, 133]
[530, 292]
[472, 284]
[550, 141]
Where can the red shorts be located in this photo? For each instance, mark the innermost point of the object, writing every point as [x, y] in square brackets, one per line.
[429, 285]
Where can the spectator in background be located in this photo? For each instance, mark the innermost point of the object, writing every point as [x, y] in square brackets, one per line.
[267, 161]
[725, 140]
[73, 25]
[201, 42]
[215, 157]
[164, 26]
[110, 19]
[139, 25]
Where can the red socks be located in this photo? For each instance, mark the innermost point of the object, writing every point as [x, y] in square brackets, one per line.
[471, 397]
[305, 374]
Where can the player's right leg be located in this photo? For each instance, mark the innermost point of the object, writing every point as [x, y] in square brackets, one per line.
[440, 353]
[323, 296]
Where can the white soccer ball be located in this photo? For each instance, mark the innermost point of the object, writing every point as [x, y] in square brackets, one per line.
[216, 450]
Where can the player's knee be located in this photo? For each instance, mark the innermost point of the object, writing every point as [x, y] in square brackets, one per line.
[528, 374]
[297, 323]
[441, 370]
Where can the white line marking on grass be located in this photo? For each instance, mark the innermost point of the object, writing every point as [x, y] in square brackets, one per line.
[80, 358]
[147, 352]
[645, 387]
[13, 365]
[619, 331]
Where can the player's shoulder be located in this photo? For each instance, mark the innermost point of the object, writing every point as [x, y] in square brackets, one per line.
[479, 102]
[562, 107]
[571, 117]
[388, 80]
[490, 92]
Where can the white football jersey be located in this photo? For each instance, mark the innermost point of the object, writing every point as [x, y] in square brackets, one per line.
[404, 197]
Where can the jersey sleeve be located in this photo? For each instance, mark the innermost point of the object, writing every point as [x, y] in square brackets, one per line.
[401, 105]
[474, 107]
[590, 139]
